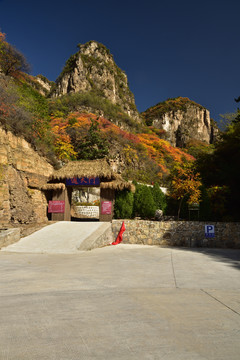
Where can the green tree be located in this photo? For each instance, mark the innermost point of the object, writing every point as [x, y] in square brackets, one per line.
[144, 205]
[91, 146]
[123, 207]
[159, 197]
[205, 210]
[221, 171]
[237, 119]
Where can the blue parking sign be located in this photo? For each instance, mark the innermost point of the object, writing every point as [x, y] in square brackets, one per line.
[209, 231]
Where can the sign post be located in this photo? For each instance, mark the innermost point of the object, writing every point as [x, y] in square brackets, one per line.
[193, 207]
[209, 231]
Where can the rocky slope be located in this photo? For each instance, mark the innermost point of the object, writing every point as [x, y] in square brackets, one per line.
[92, 69]
[181, 120]
[22, 173]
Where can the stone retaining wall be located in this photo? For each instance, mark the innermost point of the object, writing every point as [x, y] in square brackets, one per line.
[178, 233]
[22, 173]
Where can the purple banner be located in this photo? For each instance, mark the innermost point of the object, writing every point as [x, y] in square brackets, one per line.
[83, 181]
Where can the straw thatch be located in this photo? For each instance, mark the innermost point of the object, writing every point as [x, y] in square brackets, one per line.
[84, 168]
[94, 168]
[59, 186]
[118, 184]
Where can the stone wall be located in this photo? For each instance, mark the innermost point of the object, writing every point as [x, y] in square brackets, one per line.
[22, 173]
[177, 233]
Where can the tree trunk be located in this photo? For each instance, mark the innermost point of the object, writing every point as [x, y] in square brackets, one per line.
[179, 208]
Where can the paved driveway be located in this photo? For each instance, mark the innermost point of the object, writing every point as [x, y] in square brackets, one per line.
[121, 302]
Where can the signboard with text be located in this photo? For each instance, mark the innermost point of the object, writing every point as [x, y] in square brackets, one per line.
[83, 181]
[56, 206]
[209, 231]
[193, 206]
[106, 207]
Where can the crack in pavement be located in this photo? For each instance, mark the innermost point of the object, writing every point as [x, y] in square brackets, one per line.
[213, 297]
[174, 275]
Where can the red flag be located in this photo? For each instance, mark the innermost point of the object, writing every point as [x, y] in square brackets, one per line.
[120, 234]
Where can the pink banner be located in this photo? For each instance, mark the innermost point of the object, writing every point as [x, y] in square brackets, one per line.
[56, 206]
[106, 207]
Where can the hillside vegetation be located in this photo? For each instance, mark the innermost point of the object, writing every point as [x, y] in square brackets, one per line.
[71, 127]
[86, 125]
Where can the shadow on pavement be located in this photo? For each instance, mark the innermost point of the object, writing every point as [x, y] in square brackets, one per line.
[83, 219]
[230, 256]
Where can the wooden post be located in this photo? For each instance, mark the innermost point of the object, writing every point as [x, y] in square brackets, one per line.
[64, 195]
[107, 197]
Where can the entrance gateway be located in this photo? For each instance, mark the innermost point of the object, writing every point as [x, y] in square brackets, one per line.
[94, 173]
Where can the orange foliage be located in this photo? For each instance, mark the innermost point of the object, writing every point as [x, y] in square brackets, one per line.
[186, 182]
[159, 150]
[5, 110]
[156, 149]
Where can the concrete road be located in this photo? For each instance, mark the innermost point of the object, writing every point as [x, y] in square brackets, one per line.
[62, 237]
[121, 302]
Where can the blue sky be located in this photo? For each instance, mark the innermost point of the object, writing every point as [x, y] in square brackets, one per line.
[167, 48]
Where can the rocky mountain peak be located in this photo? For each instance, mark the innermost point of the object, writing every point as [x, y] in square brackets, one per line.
[181, 120]
[92, 69]
[97, 50]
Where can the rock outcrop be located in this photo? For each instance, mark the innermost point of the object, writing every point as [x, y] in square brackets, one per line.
[93, 69]
[181, 120]
[22, 173]
[44, 85]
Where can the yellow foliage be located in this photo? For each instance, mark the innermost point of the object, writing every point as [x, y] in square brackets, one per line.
[65, 150]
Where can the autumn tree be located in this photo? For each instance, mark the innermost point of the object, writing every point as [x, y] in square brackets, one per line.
[11, 59]
[185, 184]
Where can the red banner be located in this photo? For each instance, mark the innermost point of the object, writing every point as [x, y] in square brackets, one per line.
[56, 206]
[120, 235]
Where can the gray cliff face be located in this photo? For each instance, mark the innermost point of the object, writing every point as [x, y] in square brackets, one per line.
[184, 125]
[92, 68]
[45, 85]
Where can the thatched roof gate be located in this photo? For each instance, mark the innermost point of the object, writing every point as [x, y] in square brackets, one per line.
[109, 182]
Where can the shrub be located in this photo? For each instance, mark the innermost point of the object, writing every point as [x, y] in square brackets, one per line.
[159, 197]
[144, 205]
[123, 208]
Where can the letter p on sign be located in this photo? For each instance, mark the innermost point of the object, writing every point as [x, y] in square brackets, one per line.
[209, 231]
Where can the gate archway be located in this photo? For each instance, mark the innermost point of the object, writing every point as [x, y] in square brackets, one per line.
[84, 173]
